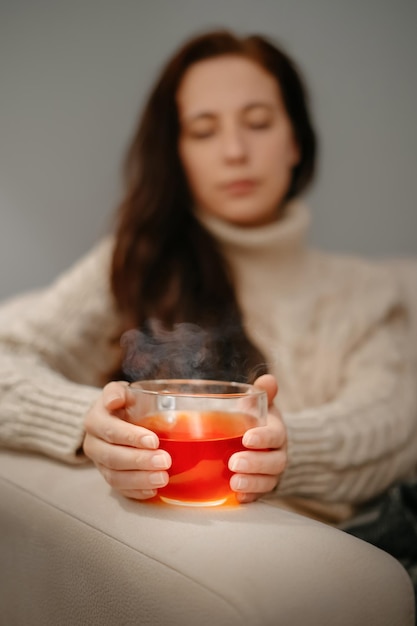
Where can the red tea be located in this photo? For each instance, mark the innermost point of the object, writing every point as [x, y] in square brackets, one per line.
[200, 444]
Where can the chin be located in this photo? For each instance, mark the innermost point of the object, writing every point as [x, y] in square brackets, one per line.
[250, 220]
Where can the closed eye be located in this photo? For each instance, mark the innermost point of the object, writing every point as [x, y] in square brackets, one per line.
[260, 125]
[201, 134]
[258, 116]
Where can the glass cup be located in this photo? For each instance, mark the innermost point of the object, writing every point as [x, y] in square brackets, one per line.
[200, 423]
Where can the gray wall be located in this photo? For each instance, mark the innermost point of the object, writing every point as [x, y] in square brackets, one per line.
[74, 74]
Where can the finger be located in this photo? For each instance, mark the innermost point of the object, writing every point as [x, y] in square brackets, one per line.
[117, 431]
[268, 462]
[273, 435]
[114, 395]
[268, 383]
[253, 483]
[125, 457]
[139, 494]
[245, 498]
[134, 480]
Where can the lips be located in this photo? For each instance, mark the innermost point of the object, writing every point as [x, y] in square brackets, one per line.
[240, 187]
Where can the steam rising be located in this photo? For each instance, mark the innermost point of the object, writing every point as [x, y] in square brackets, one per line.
[185, 351]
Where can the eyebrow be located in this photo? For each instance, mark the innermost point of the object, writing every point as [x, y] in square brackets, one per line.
[209, 114]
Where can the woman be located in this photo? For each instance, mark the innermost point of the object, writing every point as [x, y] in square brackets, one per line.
[209, 253]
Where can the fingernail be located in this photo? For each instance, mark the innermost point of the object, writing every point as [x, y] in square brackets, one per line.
[158, 478]
[160, 461]
[251, 441]
[149, 441]
[149, 493]
[239, 465]
[113, 400]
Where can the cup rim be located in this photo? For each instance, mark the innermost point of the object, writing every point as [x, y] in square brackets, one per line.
[249, 389]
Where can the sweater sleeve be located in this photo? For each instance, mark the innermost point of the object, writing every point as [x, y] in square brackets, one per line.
[55, 346]
[355, 446]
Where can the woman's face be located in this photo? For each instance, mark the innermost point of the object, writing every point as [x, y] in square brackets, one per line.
[236, 141]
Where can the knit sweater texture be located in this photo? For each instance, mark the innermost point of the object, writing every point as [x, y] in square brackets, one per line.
[335, 331]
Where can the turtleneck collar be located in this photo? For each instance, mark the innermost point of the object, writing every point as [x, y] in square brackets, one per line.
[284, 237]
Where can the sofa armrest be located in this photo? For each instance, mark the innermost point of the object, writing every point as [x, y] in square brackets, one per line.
[75, 552]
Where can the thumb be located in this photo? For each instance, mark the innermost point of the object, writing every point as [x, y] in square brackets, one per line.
[114, 395]
[268, 383]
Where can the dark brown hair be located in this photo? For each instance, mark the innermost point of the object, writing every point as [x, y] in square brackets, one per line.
[167, 269]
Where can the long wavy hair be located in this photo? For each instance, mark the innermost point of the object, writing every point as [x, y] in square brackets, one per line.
[167, 270]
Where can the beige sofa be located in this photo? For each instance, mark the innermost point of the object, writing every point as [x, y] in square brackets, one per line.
[74, 552]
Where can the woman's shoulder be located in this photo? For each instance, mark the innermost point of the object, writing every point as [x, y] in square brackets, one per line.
[355, 286]
[349, 272]
[91, 271]
[87, 279]
[97, 258]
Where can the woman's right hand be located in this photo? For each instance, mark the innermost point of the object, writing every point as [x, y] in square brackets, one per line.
[127, 455]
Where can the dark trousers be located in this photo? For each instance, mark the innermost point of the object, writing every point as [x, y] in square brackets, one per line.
[390, 523]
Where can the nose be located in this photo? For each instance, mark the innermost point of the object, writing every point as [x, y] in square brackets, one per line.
[234, 146]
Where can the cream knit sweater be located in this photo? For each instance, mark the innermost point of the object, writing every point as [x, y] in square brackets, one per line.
[335, 332]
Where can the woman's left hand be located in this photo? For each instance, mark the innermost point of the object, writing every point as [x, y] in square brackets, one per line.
[258, 469]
